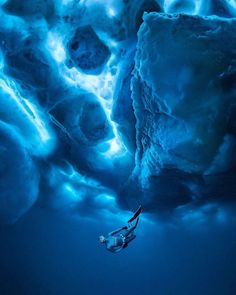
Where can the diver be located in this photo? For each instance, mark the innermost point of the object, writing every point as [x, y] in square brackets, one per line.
[120, 238]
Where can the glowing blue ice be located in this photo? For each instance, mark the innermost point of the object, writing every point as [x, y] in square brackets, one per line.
[85, 110]
[42, 137]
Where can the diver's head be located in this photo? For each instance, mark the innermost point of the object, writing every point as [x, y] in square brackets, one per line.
[102, 239]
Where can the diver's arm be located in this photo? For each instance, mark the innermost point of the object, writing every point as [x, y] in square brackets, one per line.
[117, 231]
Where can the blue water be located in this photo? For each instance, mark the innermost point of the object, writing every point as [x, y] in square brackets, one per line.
[46, 253]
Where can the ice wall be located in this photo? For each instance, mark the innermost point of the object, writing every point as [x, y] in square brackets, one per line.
[105, 115]
[184, 99]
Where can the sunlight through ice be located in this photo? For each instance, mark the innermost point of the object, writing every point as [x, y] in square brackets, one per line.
[56, 48]
[102, 86]
[32, 114]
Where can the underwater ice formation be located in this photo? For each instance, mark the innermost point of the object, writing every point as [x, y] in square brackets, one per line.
[105, 114]
[83, 119]
[87, 51]
[122, 111]
[19, 176]
[183, 94]
[40, 8]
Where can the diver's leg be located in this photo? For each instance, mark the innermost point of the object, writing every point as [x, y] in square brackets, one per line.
[131, 229]
[129, 239]
[136, 214]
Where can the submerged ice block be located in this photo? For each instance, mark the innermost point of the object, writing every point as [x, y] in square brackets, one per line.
[19, 178]
[184, 97]
[87, 51]
[82, 117]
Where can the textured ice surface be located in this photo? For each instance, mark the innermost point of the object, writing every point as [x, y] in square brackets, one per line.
[122, 112]
[18, 176]
[133, 13]
[30, 65]
[66, 95]
[28, 9]
[224, 8]
[83, 118]
[87, 51]
[183, 96]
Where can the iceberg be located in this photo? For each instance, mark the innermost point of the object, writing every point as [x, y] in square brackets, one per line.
[184, 100]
